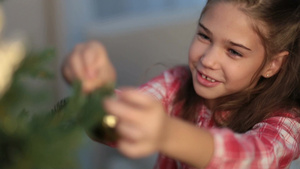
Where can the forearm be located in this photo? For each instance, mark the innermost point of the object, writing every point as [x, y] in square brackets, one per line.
[264, 146]
[187, 143]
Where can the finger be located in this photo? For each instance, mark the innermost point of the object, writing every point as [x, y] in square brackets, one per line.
[134, 149]
[74, 62]
[98, 66]
[127, 122]
[136, 98]
[99, 48]
[107, 72]
[123, 111]
[128, 148]
[94, 51]
[76, 67]
[67, 69]
[89, 85]
[67, 74]
[89, 60]
[129, 131]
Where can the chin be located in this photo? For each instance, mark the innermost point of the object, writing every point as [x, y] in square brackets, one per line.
[205, 93]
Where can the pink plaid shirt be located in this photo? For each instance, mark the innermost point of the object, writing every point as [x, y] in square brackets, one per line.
[271, 144]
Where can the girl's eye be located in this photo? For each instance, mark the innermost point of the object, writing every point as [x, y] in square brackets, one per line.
[203, 36]
[235, 53]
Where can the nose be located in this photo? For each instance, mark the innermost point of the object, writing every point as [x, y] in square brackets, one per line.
[211, 58]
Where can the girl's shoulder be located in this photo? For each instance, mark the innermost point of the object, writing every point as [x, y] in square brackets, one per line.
[293, 113]
[168, 81]
[175, 74]
[165, 86]
[180, 72]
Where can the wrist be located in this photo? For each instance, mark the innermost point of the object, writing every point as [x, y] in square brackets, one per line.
[168, 135]
[186, 142]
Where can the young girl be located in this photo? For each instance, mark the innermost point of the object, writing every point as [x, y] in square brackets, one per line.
[237, 106]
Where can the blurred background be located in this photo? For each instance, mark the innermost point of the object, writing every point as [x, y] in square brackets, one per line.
[143, 38]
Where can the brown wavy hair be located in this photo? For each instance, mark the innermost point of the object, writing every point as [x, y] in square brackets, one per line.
[277, 22]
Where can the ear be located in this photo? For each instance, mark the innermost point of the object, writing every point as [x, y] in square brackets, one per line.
[273, 66]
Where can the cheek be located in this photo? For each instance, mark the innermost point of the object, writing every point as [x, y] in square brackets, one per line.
[191, 56]
[194, 52]
[240, 77]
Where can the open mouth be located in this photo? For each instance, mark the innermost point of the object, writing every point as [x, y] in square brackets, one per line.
[208, 78]
[206, 81]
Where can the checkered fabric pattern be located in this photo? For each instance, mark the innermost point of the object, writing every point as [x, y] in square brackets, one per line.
[271, 144]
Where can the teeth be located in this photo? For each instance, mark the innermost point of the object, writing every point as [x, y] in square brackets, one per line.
[207, 78]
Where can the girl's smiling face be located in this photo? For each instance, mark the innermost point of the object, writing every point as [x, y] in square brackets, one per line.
[226, 53]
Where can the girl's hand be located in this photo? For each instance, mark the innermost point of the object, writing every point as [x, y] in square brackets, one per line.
[141, 122]
[89, 63]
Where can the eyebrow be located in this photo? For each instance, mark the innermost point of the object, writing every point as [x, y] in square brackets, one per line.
[239, 45]
[205, 28]
[230, 42]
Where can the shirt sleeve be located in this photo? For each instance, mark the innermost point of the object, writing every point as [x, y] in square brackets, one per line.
[273, 143]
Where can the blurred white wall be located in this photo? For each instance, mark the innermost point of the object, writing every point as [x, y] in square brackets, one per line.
[27, 17]
[141, 47]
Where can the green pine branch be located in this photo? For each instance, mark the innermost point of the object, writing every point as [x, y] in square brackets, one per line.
[49, 139]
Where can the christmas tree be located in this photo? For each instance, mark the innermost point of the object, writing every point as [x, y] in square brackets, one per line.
[49, 139]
